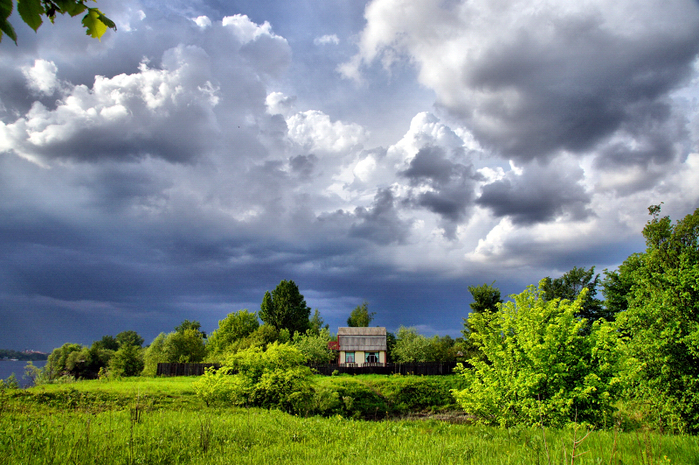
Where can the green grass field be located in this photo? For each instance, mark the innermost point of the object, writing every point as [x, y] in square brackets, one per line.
[161, 421]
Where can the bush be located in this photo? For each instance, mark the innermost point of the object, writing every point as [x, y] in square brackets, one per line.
[273, 378]
[538, 365]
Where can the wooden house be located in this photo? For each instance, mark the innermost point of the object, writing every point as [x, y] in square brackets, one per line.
[362, 346]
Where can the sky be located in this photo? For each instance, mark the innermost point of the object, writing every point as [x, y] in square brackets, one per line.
[388, 151]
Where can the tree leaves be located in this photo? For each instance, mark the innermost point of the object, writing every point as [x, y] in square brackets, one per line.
[32, 11]
[5, 27]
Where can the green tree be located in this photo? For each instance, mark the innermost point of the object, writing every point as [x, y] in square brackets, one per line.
[486, 298]
[410, 346]
[571, 284]
[58, 359]
[661, 323]
[107, 342]
[236, 326]
[316, 323]
[127, 361]
[440, 349]
[314, 346]
[33, 12]
[537, 365]
[360, 316]
[154, 354]
[185, 346]
[285, 308]
[186, 324]
[129, 338]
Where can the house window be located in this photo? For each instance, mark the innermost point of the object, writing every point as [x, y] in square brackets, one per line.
[349, 357]
[372, 357]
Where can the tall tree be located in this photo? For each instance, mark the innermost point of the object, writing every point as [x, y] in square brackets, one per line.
[569, 287]
[129, 338]
[236, 326]
[360, 317]
[33, 12]
[316, 323]
[486, 298]
[285, 308]
[661, 324]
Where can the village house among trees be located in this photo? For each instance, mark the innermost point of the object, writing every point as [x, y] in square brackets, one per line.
[362, 346]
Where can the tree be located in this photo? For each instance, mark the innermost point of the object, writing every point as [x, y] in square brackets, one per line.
[486, 298]
[440, 349]
[129, 338]
[410, 346]
[536, 364]
[236, 326]
[661, 324]
[314, 346]
[107, 342]
[32, 13]
[570, 285]
[58, 359]
[127, 361]
[154, 354]
[360, 316]
[186, 324]
[285, 308]
[316, 323]
[185, 346]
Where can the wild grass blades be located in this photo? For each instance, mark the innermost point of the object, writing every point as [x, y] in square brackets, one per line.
[205, 434]
[152, 430]
[576, 443]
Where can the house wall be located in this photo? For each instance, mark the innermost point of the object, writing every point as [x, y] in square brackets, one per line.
[360, 357]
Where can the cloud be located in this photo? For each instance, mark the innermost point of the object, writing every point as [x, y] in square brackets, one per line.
[327, 40]
[442, 186]
[202, 21]
[556, 76]
[538, 193]
[380, 223]
[313, 130]
[41, 77]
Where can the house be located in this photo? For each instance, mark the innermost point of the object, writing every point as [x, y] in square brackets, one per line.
[362, 346]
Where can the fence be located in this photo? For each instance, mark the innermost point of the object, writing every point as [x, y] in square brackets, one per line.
[423, 368]
[184, 369]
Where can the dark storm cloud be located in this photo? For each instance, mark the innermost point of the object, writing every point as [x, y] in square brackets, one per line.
[532, 81]
[303, 165]
[539, 194]
[451, 184]
[380, 223]
[577, 88]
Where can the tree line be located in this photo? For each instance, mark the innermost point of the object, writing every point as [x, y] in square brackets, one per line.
[553, 353]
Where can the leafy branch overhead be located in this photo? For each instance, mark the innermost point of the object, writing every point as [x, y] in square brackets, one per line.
[32, 13]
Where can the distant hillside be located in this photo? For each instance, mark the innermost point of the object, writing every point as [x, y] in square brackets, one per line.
[24, 355]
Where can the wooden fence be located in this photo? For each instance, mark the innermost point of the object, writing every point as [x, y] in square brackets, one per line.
[423, 368]
[184, 369]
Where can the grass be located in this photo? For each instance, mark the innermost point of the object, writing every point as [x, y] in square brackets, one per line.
[160, 421]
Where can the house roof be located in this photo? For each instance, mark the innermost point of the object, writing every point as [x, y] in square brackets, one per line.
[362, 339]
[375, 331]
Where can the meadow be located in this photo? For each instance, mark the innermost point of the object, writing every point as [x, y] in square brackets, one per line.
[162, 421]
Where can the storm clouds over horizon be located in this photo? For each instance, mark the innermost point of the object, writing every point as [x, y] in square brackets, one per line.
[391, 151]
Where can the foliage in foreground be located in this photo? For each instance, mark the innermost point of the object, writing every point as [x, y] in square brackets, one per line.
[538, 365]
[76, 429]
[660, 327]
[32, 13]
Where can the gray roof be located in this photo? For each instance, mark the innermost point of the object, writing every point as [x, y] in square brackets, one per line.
[364, 339]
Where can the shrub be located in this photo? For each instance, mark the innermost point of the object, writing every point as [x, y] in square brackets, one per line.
[538, 365]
